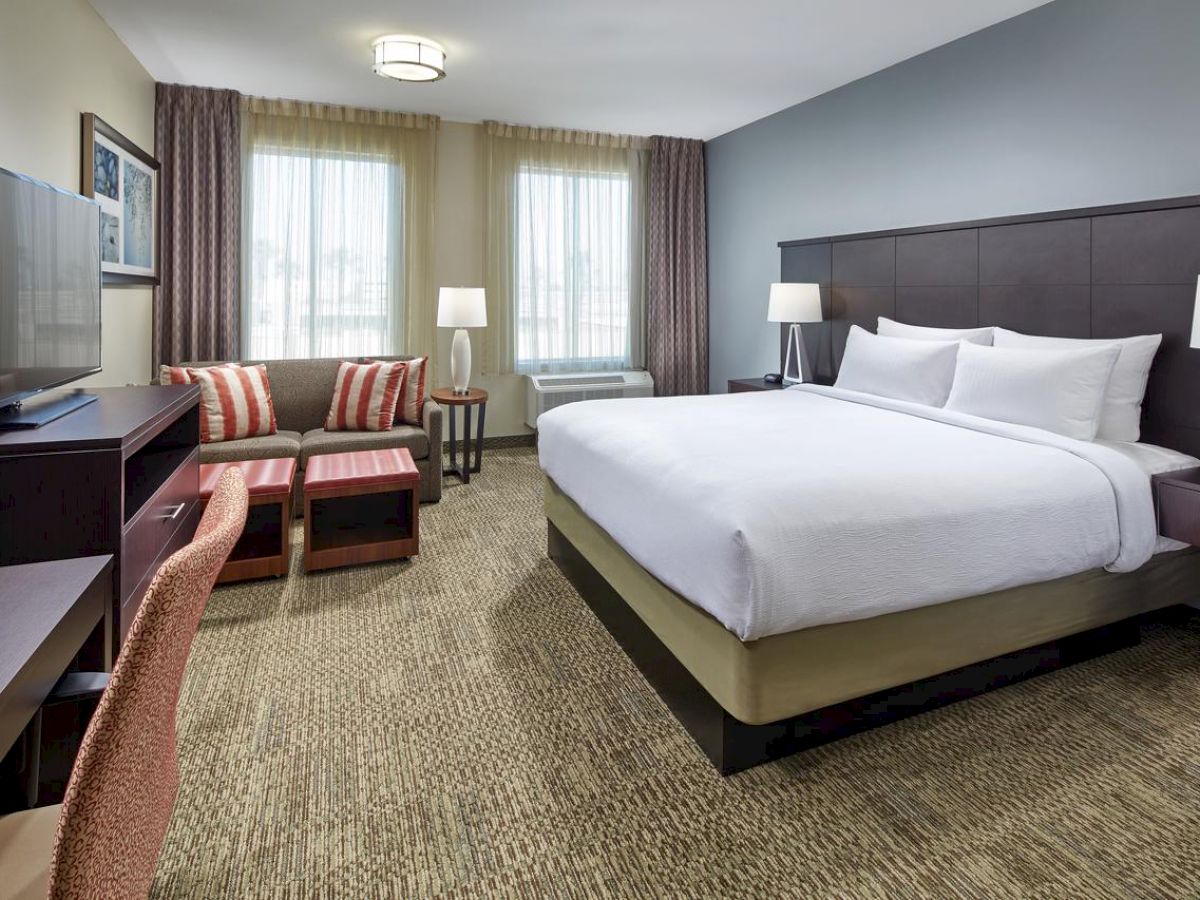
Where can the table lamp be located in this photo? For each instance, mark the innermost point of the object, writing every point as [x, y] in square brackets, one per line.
[792, 303]
[1195, 342]
[461, 308]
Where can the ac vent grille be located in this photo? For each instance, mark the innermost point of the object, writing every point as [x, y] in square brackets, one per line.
[581, 380]
[546, 392]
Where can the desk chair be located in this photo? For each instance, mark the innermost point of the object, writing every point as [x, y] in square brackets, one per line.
[105, 838]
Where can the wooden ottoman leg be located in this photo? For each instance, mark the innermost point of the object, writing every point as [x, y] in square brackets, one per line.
[307, 533]
[414, 500]
[285, 532]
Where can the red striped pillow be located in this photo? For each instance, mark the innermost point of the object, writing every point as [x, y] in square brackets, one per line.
[412, 396]
[179, 374]
[235, 402]
[364, 398]
[173, 375]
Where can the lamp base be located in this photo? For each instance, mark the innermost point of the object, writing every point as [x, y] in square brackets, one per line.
[796, 346]
[460, 361]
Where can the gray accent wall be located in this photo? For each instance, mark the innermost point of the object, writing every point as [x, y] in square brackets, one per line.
[1076, 103]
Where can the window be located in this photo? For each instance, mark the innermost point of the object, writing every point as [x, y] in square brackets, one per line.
[324, 254]
[574, 269]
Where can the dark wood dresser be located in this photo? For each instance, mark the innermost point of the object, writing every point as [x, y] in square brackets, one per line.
[119, 476]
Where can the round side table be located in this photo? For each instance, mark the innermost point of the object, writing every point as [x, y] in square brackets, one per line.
[473, 397]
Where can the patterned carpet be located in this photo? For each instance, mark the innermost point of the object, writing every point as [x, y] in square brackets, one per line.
[462, 725]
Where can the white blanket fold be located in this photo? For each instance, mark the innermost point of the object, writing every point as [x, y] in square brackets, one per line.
[776, 511]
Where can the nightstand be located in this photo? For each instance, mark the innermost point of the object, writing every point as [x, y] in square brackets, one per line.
[474, 397]
[1177, 505]
[740, 385]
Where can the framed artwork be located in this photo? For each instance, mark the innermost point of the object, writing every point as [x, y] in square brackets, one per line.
[123, 178]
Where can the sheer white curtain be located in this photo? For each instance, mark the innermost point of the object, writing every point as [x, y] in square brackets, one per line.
[565, 269]
[336, 225]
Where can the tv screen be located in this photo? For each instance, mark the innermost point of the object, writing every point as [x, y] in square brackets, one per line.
[49, 286]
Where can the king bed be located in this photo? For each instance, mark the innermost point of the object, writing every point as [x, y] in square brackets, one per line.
[786, 567]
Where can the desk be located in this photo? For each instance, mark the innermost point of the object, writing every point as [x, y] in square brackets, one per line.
[49, 610]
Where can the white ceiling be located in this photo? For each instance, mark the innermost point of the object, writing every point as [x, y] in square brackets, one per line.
[693, 68]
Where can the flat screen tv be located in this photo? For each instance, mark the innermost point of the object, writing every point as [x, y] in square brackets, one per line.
[49, 296]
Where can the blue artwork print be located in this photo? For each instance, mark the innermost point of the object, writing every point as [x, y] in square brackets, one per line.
[139, 217]
[104, 176]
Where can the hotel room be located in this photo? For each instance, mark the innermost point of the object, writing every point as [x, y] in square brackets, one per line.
[832, 529]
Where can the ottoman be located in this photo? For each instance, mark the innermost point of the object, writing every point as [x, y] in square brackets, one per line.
[262, 549]
[360, 507]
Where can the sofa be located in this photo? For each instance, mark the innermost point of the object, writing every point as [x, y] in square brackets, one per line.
[301, 392]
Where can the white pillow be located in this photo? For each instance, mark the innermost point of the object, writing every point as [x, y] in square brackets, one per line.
[918, 371]
[891, 328]
[1121, 417]
[1058, 390]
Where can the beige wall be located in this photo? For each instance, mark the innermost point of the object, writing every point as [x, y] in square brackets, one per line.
[458, 262]
[59, 59]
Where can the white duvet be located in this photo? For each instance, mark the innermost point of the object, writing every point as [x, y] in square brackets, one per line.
[782, 510]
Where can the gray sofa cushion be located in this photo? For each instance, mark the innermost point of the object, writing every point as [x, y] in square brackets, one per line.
[302, 390]
[269, 446]
[319, 441]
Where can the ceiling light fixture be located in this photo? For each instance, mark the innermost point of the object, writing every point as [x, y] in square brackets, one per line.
[409, 57]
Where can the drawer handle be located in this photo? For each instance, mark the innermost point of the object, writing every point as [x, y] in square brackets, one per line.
[174, 513]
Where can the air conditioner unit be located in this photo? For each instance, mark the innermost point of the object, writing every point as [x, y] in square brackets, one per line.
[548, 391]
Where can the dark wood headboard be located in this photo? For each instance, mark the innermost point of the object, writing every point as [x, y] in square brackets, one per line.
[1111, 271]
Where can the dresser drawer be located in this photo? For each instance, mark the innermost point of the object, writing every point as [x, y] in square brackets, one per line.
[133, 600]
[1177, 503]
[174, 508]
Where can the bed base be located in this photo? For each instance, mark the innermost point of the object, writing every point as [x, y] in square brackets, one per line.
[733, 746]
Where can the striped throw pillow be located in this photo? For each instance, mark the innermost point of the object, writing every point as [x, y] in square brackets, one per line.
[412, 395]
[364, 398]
[235, 402]
[173, 375]
[179, 374]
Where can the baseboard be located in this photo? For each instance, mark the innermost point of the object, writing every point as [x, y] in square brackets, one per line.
[501, 442]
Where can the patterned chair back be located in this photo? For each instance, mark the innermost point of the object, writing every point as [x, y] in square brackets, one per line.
[119, 798]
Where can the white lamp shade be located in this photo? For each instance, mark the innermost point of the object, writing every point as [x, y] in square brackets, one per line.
[794, 302]
[461, 308]
[1196, 317]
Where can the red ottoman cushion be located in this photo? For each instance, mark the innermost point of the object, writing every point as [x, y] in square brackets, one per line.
[360, 467]
[263, 476]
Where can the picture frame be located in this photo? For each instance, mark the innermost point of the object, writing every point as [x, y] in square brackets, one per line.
[124, 179]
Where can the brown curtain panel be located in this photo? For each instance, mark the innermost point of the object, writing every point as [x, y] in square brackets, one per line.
[677, 268]
[198, 134]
